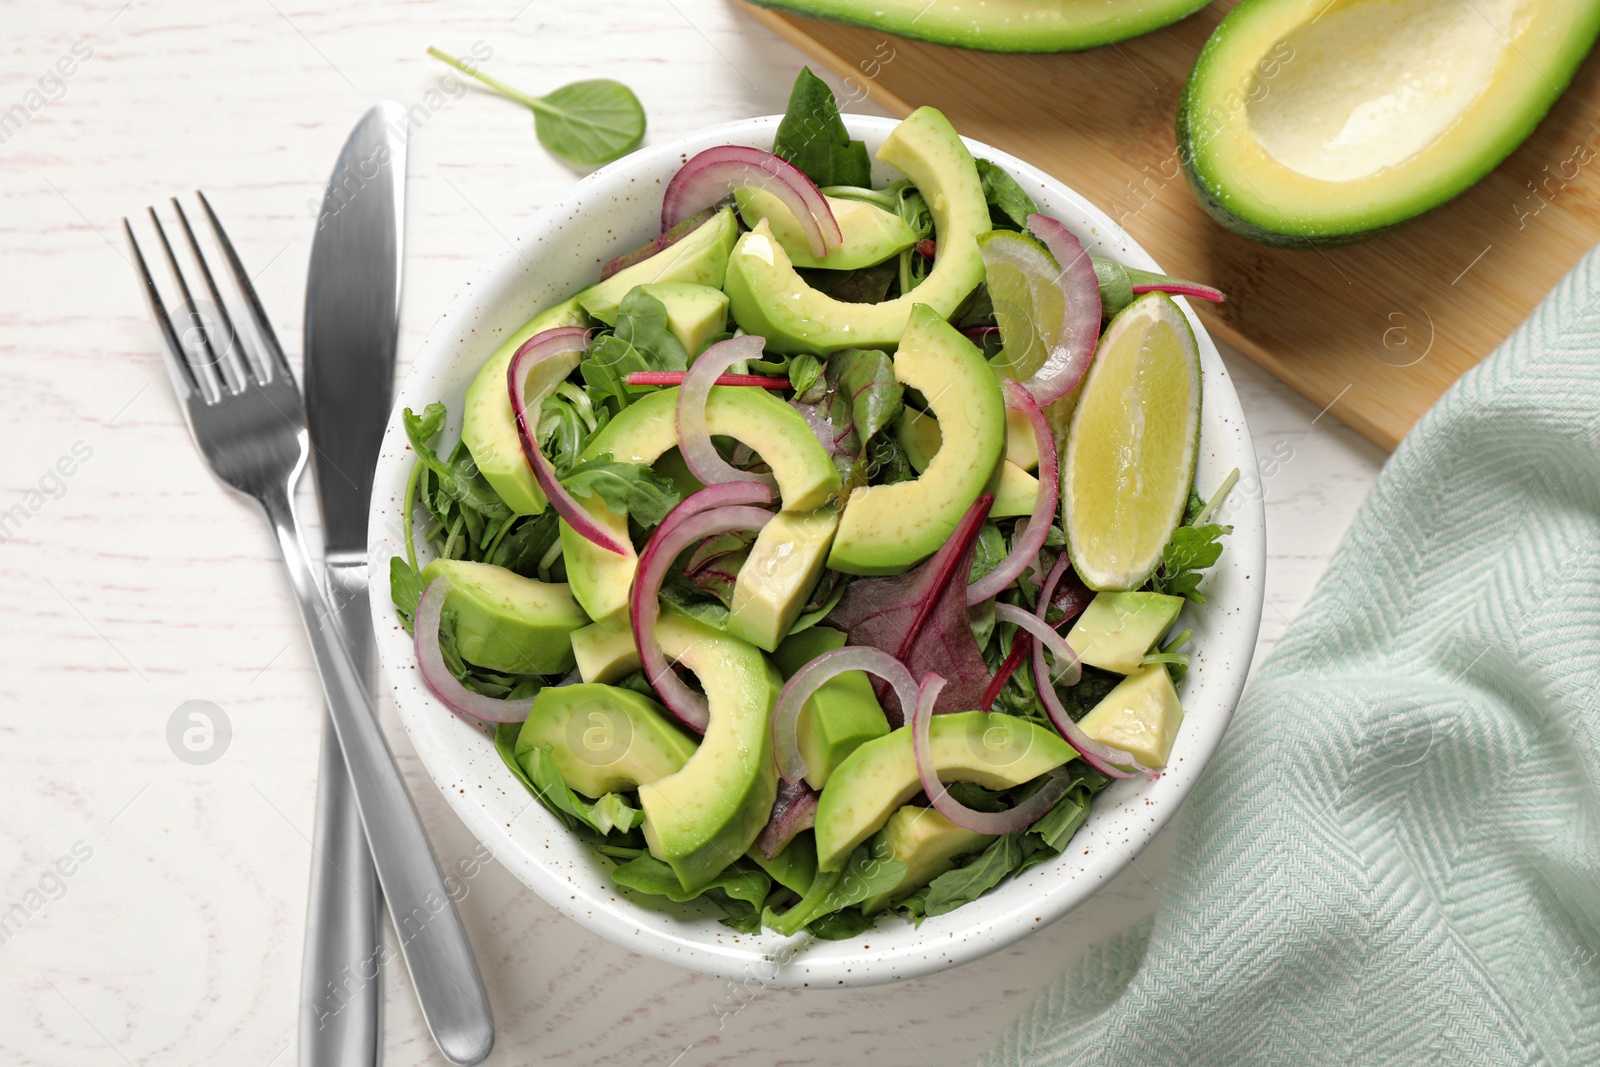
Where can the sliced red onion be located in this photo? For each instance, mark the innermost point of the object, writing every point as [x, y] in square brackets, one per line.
[1032, 539]
[1020, 817]
[431, 664]
[813, 676]
[675, 377]
[542, 346]
[694, 437]
[794, 810]
[1045, 633]
[1064, 367]
[712, 175]
[713, 510]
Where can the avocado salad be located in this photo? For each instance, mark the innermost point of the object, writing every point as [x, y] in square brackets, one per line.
[820, 559]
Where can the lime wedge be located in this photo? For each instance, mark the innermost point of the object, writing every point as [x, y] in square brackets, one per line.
[1029, 307]
[1132, 444]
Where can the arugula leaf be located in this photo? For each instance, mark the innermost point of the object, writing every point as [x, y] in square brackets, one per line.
[1192, 550]
[842, 925]
[625, 487]
[611, 812]
[739, 890]
[457, 479]
[642, 323]
[1009, 206]
[813, 137]
[990, 551]
[863, 875]
[604, 370]
[405, 589]
[527, 545]
[967, 883]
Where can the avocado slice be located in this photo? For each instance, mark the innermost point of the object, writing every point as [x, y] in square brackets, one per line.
[708, 814]
[1141, 716]
[994, 750]
[870, 234]
[489, 429]
[768, 298]
[644, 431]
[700, 257]
[1001, 25]
[888, 528]
[695, 313]
[506, 622]
[927, 843]
[1117, 629]
[1306, 122]
[1015, 491]
[604, 653]
[778, 575]
[919, 436]
[841, 716]
[604, 739]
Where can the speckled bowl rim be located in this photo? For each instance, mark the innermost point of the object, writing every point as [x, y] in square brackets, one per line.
[615, 209]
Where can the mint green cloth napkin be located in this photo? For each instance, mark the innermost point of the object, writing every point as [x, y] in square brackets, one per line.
[1395, 856]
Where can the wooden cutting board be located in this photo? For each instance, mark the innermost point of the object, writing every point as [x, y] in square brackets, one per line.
[1376, 331]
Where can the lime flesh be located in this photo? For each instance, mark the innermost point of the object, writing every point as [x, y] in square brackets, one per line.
[1028, 303]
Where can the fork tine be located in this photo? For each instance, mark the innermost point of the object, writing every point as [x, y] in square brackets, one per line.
[207, 368]
[177, 361]
[279, 366]
[234, 357]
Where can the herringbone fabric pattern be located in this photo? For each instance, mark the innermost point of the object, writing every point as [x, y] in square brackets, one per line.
[1395, 857]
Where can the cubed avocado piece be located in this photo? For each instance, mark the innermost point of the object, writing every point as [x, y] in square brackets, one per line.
[695, 313]
[777, 577]
[869, 234]
[1141, 716]
[506, 622]
[604, 653]
[795, 866]
[1016, 492]
[1117, 629]
[604, 739]
[927, 843]
[840, 716]
[488, 428]
[700, 257]
[996, 751]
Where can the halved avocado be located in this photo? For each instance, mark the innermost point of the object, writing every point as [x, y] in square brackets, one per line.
[1306, 121]
[768, 298]
[488, 428]
[647, 428]
[604, 739]
[506, 622]
[1001, 25]
[995, 751]
[701, 257]
[708, 814]
[870, 234]
[888, 528]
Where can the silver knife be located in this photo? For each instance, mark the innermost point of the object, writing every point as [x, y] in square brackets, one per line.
[351, 330]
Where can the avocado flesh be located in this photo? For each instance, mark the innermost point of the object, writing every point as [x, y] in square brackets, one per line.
[695, 313]
[708, 814]
[1001, 25]
[840, 716]
[887, 528]
[604, 653]
[996, 751]
[489, 429]
[1141, 716]
[700, 257]
[927, 843]
[1309, 123]
[604, 739]
[1016, 492]
[870, 234]
[777, 577]
[768, 298]
[506, 622]
[919, 436]
[644, 431]
[1117, 629]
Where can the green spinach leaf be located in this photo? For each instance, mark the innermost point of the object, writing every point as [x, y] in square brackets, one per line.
[1009, 206]
[642, 323]
[813, 137]
[625, 487]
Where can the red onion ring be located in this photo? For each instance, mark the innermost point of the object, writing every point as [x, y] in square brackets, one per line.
[713, 510]
[563, 340]
[694, 437]
[804, 683]
[1045, 633]
[434, 671]
[1020, 817]
[1026, 550]
[712, 175]
[675, 377]
[1064, 367]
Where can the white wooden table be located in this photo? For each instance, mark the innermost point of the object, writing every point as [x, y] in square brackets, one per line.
[151, 910]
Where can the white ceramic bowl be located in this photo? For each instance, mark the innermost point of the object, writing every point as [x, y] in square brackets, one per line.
[560, 250]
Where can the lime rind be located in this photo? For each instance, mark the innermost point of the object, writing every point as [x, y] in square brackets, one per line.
[1029, 306]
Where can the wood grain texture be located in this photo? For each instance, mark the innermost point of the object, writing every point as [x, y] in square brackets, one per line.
[1380, 329]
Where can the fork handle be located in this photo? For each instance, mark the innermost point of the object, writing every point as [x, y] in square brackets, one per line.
[432, 939]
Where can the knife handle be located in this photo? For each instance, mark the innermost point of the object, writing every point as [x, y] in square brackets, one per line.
[341, 982]
[432, 938]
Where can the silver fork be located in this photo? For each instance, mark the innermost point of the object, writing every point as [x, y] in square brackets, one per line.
[245, 414]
